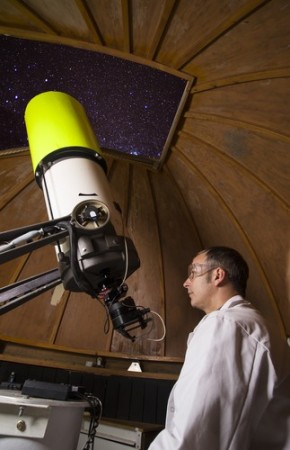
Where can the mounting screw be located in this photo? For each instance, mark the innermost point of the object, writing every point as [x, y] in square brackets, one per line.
[21, 425]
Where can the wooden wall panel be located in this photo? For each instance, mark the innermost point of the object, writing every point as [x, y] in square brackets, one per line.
[257, 46]
[15, 174]
[25, 209]
[22, 204]
[83, 324]
[109, 21]
[259, 153]
[218, 227]
[263, 104]
[69, 21]
[13, 16]
[146, 285]
[197, 24]
[257, 216]
[119, 178]
[179, 242]
[34, 320]
[147, 16]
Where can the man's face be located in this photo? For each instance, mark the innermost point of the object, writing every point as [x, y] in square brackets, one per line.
[199, 283]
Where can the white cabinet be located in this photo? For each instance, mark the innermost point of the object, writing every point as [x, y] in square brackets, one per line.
[28, 423]
[119, 435]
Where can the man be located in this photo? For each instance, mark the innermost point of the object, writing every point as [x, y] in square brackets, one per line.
[233, 389]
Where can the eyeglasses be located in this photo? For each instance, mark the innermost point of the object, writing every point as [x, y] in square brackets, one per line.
[197, 270]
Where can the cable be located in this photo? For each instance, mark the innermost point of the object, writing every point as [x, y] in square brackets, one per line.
[118, 208]
[107, 321]
[24, 238]
[142, 336]
[164, 328]
[126, 261]
[96, 411]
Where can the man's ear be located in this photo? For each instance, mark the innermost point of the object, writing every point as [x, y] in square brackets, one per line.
[219, 276]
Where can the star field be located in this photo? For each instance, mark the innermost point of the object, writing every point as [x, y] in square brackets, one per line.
[130, 106]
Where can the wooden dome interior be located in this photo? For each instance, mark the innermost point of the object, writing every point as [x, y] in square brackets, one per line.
[225, 180]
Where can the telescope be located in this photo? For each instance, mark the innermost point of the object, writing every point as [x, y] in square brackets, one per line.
[71, 171]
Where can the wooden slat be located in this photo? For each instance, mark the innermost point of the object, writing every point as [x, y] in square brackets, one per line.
[10, 271]
[250, 146]
[268, 108]
[15, 190]
[242, 78]
[108, 15]
[14, 166]
[33, 17]
[87, 16]
[254, 46]
[196, 25]
[27, 345]
[214, 32]
[83, 324]
[172, 215]
[84, 369]
[126, 26]
[144, 285]
[25, 352]
[155, 41]
[148, 23]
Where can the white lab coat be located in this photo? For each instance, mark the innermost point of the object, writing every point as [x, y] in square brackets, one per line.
[231, 392]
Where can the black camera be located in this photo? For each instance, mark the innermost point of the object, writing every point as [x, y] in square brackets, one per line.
[124, 314]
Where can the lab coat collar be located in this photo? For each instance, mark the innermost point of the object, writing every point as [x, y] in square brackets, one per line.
[230, 303]
[233, 301]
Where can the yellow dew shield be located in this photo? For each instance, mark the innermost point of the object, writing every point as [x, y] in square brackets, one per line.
[55, 120]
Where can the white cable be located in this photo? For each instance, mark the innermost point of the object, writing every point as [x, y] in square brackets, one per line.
[24, 238]
[126, 261]
[126, 250]
[164, 328]
[143, 335]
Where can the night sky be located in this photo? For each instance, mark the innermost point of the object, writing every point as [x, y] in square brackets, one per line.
[130, 106]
